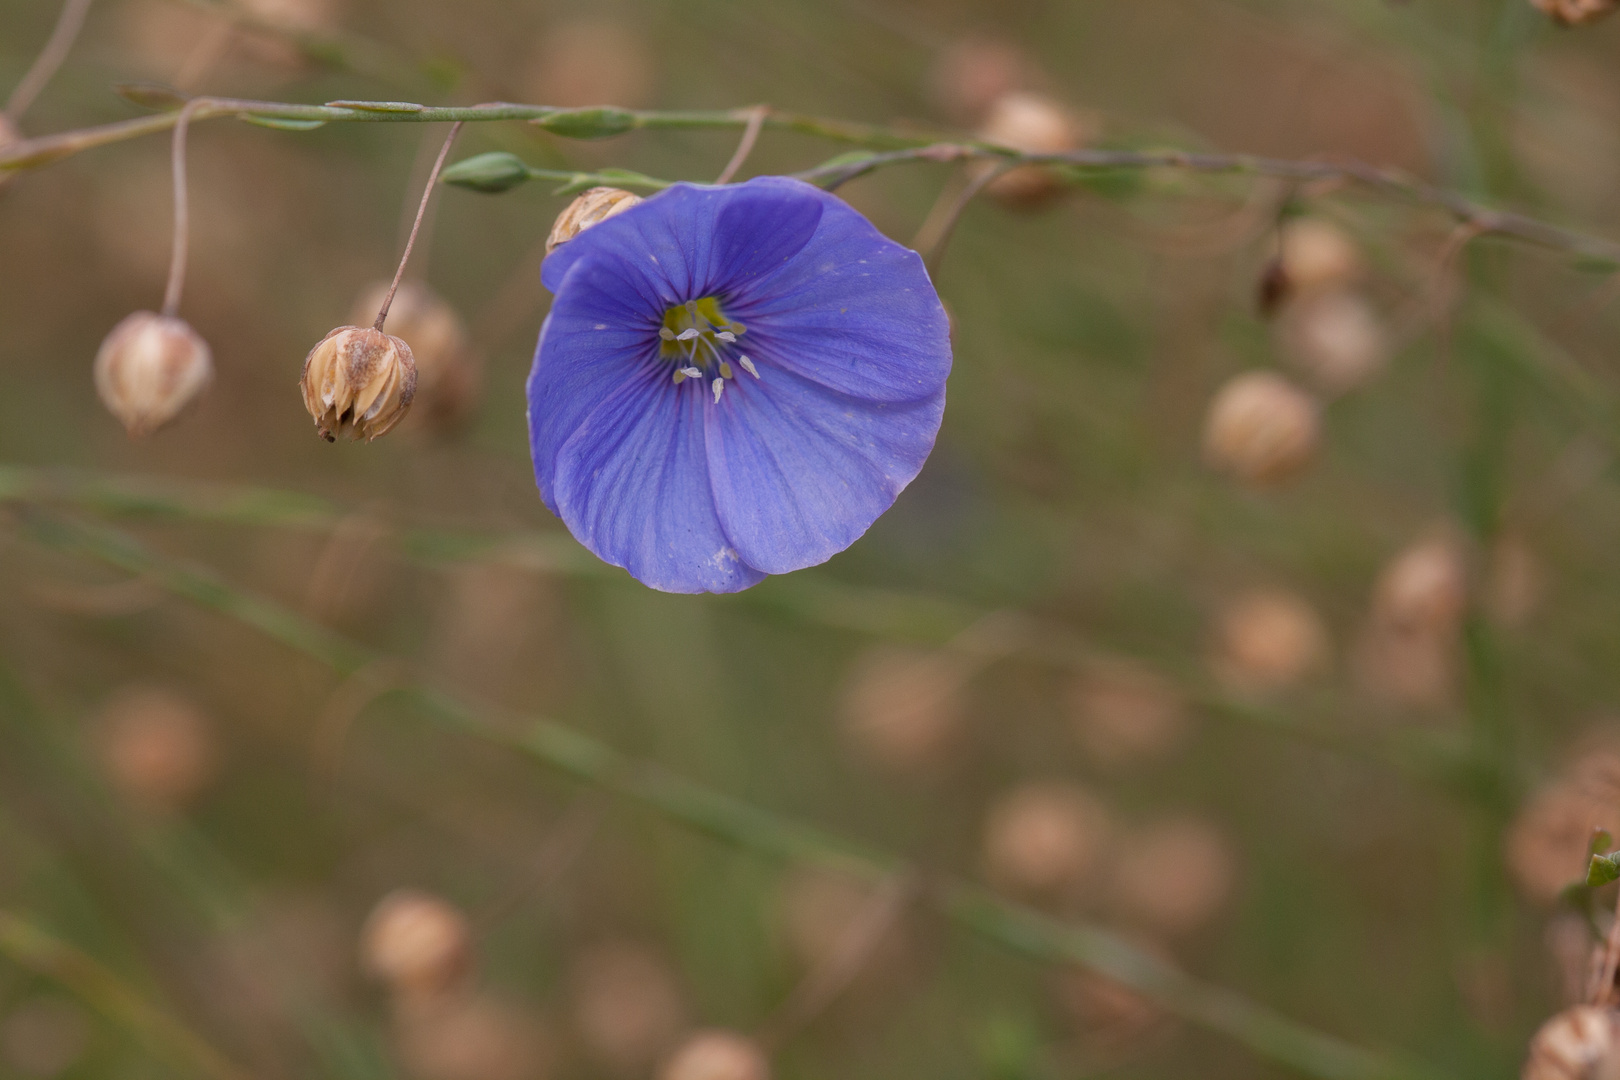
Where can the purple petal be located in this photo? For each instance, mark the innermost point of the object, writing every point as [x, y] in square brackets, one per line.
[800, 472]
[632, 485]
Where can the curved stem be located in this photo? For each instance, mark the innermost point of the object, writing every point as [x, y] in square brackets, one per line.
[756, 121]
[421, 210]
[182, 211]
[57, 46]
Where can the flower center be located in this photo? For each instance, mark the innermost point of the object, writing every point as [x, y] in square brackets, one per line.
[701, 342]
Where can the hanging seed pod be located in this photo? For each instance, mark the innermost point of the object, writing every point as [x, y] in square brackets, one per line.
[1575, 12]
[1268, 640]
[1034, 124]
[149, 368]
[471, 1036]
[448, 368]
[1045, 839]
[972, 74]
[1316, 254]
[591, 208]
[1336, 338]
[627, 1007]
[1171, 877]
[904, 709]
[156, 746]
[1125, 713]
[418, 944]
[358, 383]
[1261, 429]
[1581, 1043]
[717, 1055]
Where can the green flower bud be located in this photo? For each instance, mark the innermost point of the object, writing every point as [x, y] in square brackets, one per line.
[492, 173]
[601, 122]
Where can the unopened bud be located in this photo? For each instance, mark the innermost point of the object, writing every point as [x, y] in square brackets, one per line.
[491, 173]
[1267, 640]
[149, 368]
[358, 383]
[717, 1055]
[156, 746]
[1575, 12]
[417, 943]
[1581, 1043]
[448, 370]
[1337, 339]
[1045, 838]
[591, 208]
[1034, 124]
[1261, 428]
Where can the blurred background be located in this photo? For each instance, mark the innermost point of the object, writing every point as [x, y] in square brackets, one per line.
[1257, 602]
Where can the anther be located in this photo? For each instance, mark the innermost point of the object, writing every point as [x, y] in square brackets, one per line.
[691, 372]
[726, 335]
[748, 366]
[666, 333]
[725, 370]
[686, 335]
[719, 387]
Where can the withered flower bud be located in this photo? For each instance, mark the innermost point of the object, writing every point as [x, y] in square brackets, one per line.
[717, 1055]
[1582, 1043]
[417, 943]
[592, 208]
[1034, 124]
[448, 370]
[1574, 12]
[149, 368]
[358, 382]
[1261, 428]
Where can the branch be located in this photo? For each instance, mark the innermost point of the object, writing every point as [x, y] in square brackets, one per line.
[758, 830]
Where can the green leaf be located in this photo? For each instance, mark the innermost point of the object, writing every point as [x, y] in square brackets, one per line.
[1601, 841]
[1595, 264]
[492, 173]
[151, 96]
[1601, 871]
[282, 123]
[596, 123]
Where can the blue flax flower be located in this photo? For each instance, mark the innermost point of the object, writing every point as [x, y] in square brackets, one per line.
[733, 381]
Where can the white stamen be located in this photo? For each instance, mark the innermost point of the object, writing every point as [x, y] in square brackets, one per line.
[748, 366]
[726, 335]
[691, 373]
[725, 370]
[687, 334]
[666, 333]
[719, 386]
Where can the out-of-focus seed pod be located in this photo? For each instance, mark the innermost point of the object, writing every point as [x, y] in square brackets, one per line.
[1409, 667]
[592, 207]
[1045, 839]
[358, 383]
[1572, 948]
[1513, 584]
[149, 368]
[44, 1037]
[972, 74]
[1034, 124]
[1425, 586]
[448, 369]
[1261, 428]
[1316, 255]
[470, 1037]
[1581, 1043]
[903, 708]
[418, 944]
[1575, 12]
[1546, 848]
[1171, 877]
[716, 1054]
[627, 1007]
[156, 746]
[593, 61]
[1123, 713]
[1267, 640]
[1336, 338]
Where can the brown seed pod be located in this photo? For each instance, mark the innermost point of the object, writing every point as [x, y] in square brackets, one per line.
[1267, 640]
[1045, 839]
[1034, 124]
[1124, 713]
[1580, 1043]
[971, 74]
[471, 1036]
[1425, 586]
[627, 1006]
[358, 383]
[149, 368]
[1336, 339]
[1575, 12]
[716, 1054]
[418, 944]
[1316, 255]
[1172, 876]
[1547, 845]
[449, 370]
[1261, 429]
[903, 708]
[156, 746]
[591, 208]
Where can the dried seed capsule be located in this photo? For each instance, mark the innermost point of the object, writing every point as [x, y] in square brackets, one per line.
[627, 1007]
[472, 1036]
[1034, 124]
[592, 208]
[1317, 254]
[1124, 713]
[1045, 838]
[448, 371]
[358, 382]
[156, 746]
[903, 708]
[1574, 12]
[1172, 876]
[1261, 428]
[717, 1055]
[149, 368]
[1337, 339]
[973, 73]
[1582, 1043]
[417, 943]
[1267, 640]
[1424, 587]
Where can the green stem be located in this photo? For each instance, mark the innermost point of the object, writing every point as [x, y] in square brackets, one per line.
[758, 830]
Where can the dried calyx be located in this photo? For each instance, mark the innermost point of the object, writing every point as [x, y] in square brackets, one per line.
[358, 383]
[591, 208]
[149, 368]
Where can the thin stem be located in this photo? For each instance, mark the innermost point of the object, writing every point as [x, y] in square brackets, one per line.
[427, 193]
[57, 46]
[182, 211]
[941, 221]
[756, 122]
[703, 809]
